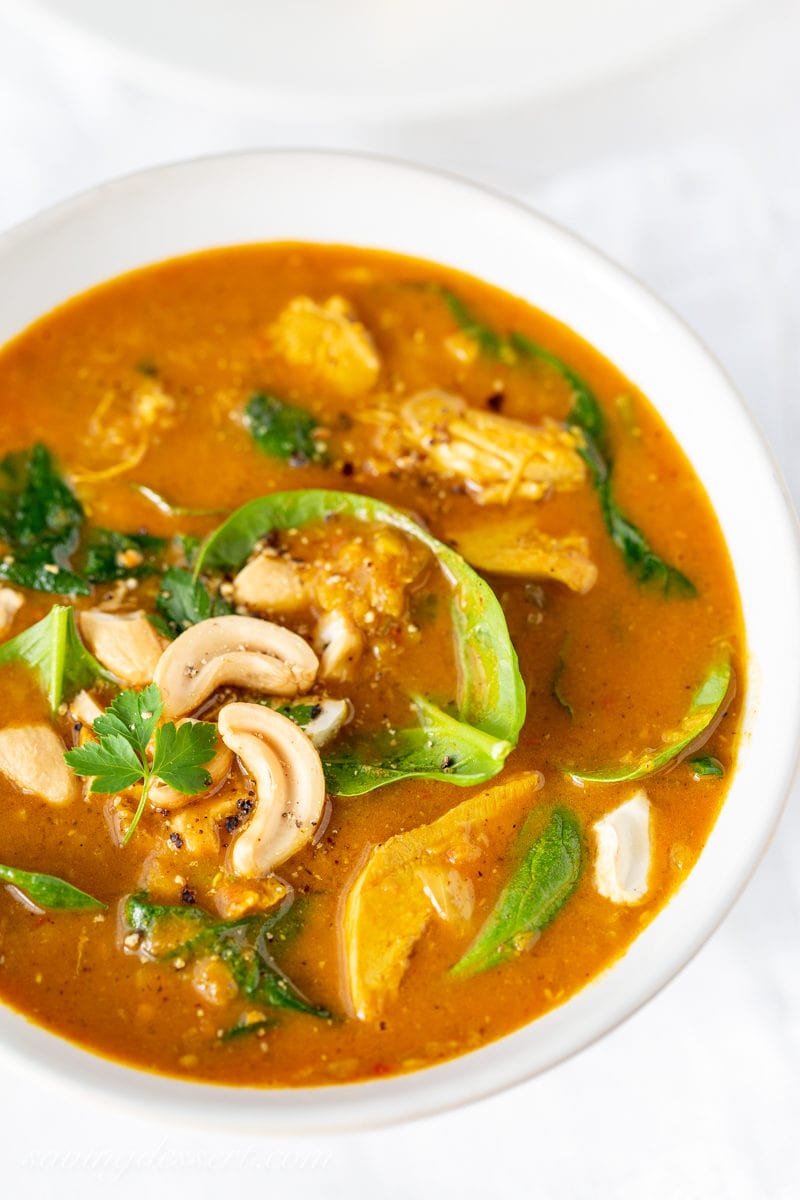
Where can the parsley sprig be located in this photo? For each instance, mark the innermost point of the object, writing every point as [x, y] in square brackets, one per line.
[119, 758]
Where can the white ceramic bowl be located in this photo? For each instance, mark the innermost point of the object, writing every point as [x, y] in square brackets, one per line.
[369, 202]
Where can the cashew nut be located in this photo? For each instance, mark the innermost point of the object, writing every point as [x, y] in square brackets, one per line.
[290, 786]
[244, 651]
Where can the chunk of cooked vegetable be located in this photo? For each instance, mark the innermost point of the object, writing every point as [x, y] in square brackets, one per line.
[705, 710]
[32, 757]
[48, 891]
[125, 643]
[516, 547]
[53, 650]
[241, 651]
[168, 933]
[541, 884]
[469, 746]
[284, 431]
[398, 890]
[120, 758]
[622, 862]
[328, 342]
[290, 786]
[585, 415]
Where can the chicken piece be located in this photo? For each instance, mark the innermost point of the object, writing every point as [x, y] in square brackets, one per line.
[373, 572]
[32, 757]
[409, 878]
[329, 341]
[197, 825]
[517, 548]
[125, 643]
[622, 865]
[340, 644]
[496, 458]
[272, 585]
[10, 604]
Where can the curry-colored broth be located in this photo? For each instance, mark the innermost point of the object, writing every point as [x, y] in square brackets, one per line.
[630, 657]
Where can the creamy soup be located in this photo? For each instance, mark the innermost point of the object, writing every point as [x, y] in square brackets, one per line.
[368, 677]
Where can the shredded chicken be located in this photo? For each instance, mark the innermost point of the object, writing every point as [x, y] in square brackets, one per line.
[270, 584]
[495, 458]
[328, 341]
[340, 644]
[120, 430]
[32, 757]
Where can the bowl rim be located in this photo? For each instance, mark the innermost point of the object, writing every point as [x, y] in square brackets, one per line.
[495, 1067]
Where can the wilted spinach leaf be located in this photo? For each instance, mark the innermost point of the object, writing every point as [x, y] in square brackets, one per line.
[183, 601]
[284, 431]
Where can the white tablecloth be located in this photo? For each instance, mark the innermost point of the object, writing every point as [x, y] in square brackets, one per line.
[688, 172]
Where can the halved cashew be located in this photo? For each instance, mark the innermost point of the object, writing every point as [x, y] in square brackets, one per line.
[10, 604]
[125, 643]
[32, 757]
[290, 786]
[340, 644]
[161, 795]
[269, 584]
[243, 651]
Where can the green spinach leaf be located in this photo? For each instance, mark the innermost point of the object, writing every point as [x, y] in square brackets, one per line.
[700, 719]
[109, 555]
[284, 431]
[539, 887]
[468, 746]
[40, 522]
[183, 601]
[706, 766]
[241, 944]
[54, 651]
[48, 891]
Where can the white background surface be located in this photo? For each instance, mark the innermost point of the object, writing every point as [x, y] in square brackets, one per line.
[688, 172]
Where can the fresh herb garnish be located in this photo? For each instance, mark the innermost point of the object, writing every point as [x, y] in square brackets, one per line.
[466, 746]
[585, 413]
[47, 891]
[119, 759]
[54, 651]
[241, 944]
[183, 601]
[284, 431]
[539, 887]
[700, 720]
[109, 555]
[42, 523]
